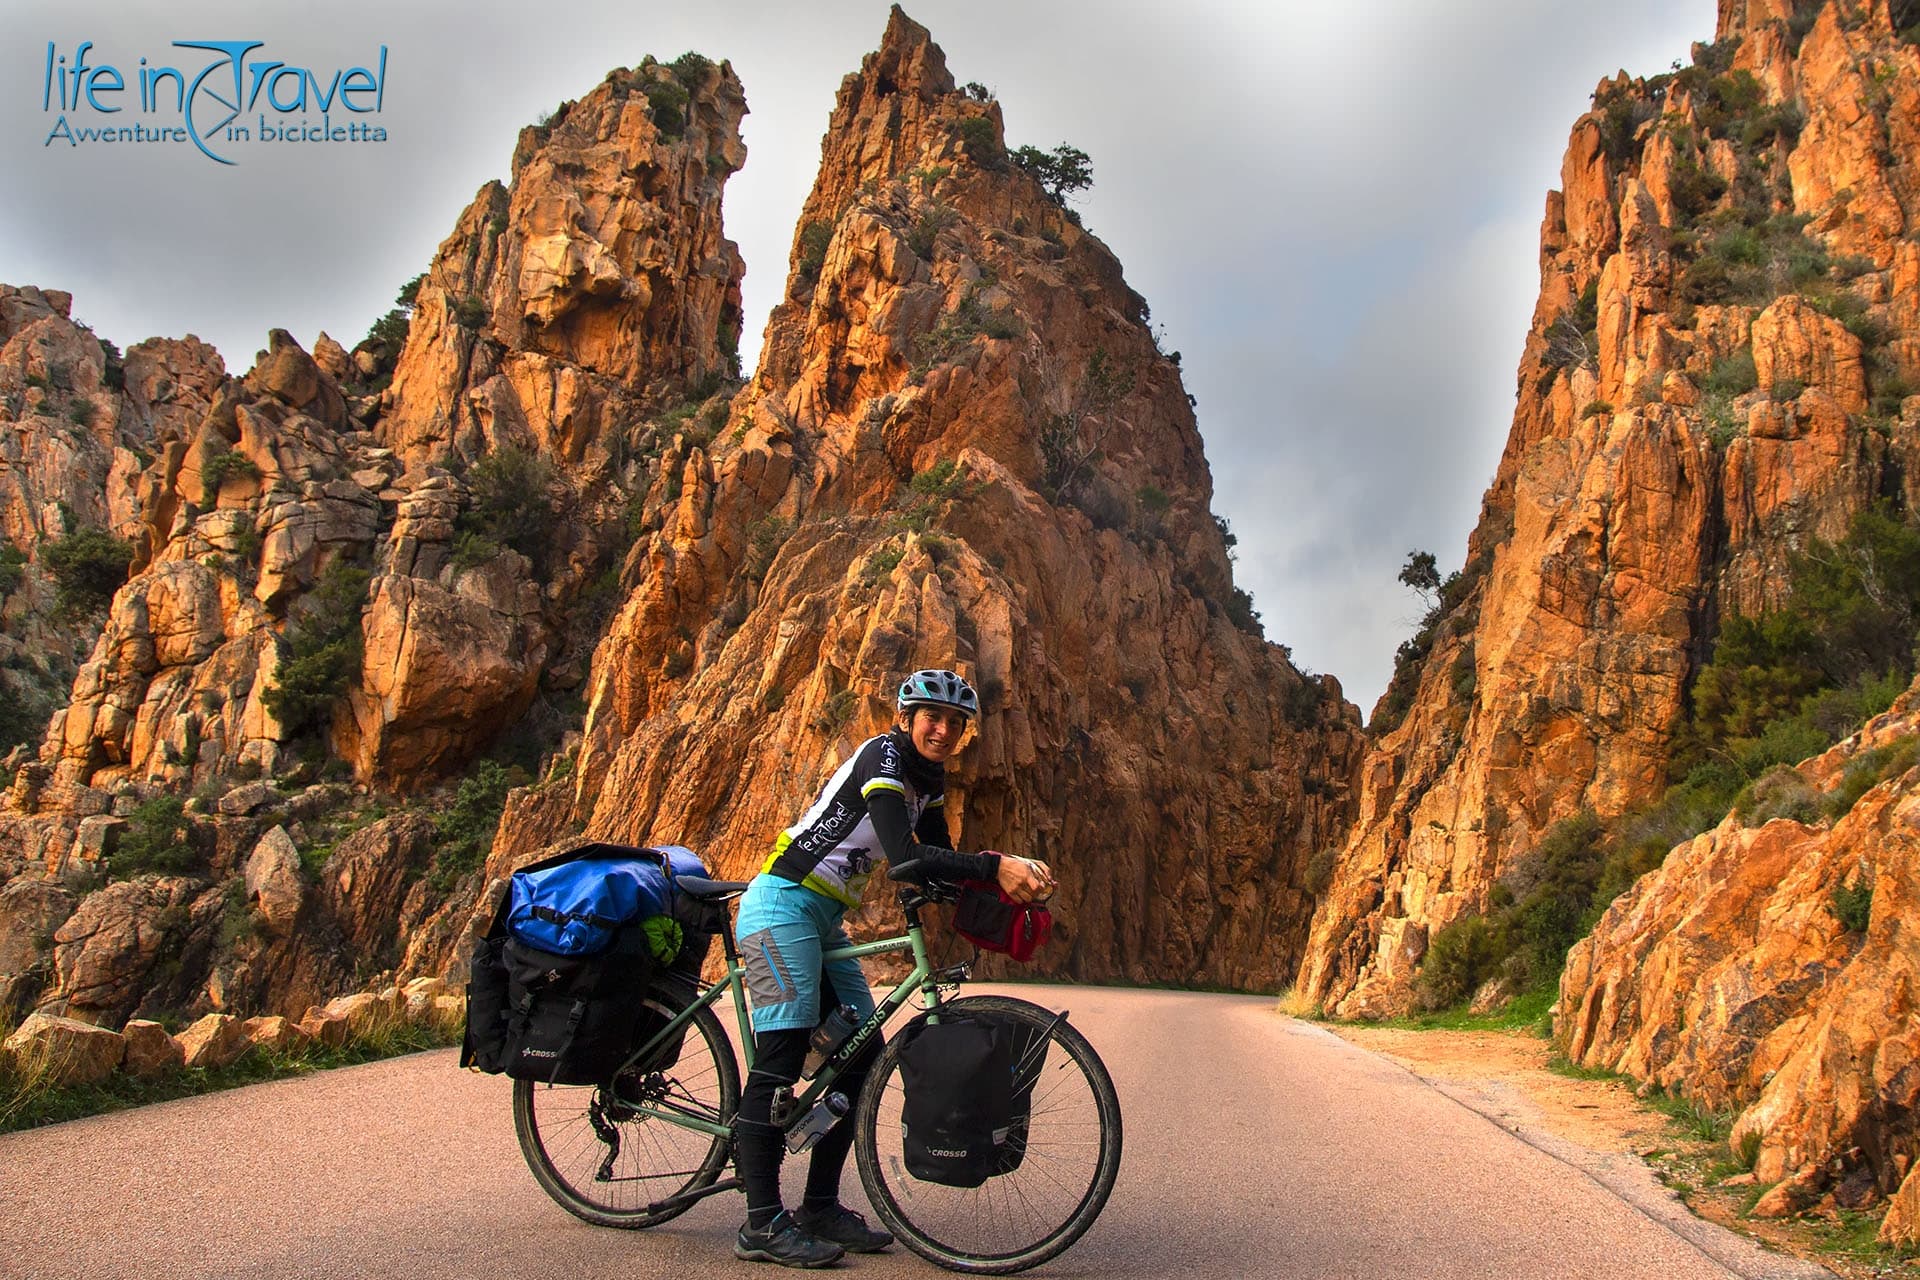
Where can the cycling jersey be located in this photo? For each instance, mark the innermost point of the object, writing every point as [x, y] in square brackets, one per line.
[833, 848]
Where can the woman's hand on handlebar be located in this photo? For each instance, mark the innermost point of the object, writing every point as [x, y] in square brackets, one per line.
[1024, 879]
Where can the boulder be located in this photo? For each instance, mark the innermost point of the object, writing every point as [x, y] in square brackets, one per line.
[328, 1030]
[249, 798]
[273, 1033]
[418, 999]
[361, 1012]
[275, 886]
[98, 837]
[150, 1050]
[217, 1040]
[66, 1051]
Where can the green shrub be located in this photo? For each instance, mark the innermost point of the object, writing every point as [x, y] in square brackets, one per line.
[88, 566]
[464, 831]
[1320, 869]
[470, 312]
[1733, 375]
[409, 295]
[13, 571]
[1621, 116]
[691, 68]
[1060, 172]
[509, 501]
[384, 341]
[1153, 498]
[1461, 956]
[113, 373]
[1727, 99]
[1755, 262]
[1694, 187]
[882, 562]
[954, 332]
[1779, 793]
[942, 480]
[814, 239]
[764, 539]
[471, 550]
[223, 467]
[1464, 676]
[667, 107]
[321, 650]
[1242, 614]
[158, 838]
[1868, 770]
[978, 136]
[1853, 904]
[1552, 889]
[934, 219]
[836, 711]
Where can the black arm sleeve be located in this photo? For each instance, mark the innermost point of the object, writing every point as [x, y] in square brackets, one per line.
[888, 809]
[932, 828]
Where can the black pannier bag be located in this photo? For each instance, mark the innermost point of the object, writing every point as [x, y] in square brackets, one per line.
[959, 1114]
[571, 1019]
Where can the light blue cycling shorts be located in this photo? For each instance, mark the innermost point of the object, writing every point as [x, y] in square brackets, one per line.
[784, 928]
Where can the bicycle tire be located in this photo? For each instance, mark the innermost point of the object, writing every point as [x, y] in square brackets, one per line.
[999, 1227]
[611, 1181]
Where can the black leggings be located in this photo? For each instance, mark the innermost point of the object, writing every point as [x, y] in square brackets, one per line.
[759, 1144]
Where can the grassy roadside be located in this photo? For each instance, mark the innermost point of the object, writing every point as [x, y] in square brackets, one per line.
[28, 1099]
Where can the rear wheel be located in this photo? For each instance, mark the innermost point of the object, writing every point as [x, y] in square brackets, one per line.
[1032, 1213]
[603, 1160]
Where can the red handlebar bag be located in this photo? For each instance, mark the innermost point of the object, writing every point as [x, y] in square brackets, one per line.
[992, 921]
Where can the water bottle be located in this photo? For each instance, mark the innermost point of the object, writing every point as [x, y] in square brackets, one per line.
[825, 1114]
[828, 1037]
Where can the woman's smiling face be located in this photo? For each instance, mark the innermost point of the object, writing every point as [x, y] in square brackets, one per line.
[936, 731]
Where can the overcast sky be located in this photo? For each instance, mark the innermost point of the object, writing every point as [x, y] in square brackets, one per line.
[1333, 209]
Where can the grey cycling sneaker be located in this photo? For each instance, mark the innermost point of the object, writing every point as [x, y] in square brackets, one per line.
[786, 1242]
[845, 1228]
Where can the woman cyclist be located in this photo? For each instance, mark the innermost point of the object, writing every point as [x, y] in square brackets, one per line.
[886, 802]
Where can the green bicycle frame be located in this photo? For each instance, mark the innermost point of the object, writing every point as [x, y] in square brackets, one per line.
[920, 978]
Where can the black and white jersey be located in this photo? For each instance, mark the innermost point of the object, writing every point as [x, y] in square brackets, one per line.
[833, 848]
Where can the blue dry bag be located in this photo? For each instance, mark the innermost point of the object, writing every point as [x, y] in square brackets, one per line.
[575, 908]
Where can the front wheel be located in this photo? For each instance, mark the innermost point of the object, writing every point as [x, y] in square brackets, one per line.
[594, 1150]
[1032, 1213]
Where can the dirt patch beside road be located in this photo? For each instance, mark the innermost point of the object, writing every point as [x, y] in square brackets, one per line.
[1600, 1115]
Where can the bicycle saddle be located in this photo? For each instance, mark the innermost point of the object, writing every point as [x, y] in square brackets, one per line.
[709, 890]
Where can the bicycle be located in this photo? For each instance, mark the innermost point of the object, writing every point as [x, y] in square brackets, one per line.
[663, 1121]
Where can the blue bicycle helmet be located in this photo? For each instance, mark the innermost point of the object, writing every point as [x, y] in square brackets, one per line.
[936, 687]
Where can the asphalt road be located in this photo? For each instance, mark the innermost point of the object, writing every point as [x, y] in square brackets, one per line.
[1255, 1146]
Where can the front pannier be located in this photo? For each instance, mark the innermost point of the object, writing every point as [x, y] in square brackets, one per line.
[959, 1112]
